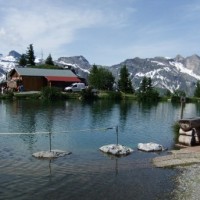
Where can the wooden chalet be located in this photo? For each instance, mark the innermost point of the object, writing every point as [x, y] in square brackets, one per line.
[34, 79]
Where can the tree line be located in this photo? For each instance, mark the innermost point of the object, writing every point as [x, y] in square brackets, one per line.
[28, 58]
[102, 79]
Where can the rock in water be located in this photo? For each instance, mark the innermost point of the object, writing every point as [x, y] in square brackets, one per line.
[149, 147]
[117, 150]
[51, 154]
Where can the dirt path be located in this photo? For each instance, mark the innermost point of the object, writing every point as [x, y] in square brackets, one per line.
[185, 156]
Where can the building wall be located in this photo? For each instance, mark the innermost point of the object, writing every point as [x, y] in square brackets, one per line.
[33, 83]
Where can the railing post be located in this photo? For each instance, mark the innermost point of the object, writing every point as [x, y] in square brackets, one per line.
[183, 100]
[117, 134]
[50, 141]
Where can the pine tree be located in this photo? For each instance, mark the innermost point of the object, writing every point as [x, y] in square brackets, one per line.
[30, 55]
[143, 86]
[124, 82]
[146, 91]
[197, 90]
[22, 60]
[49, 60]
[93, 77]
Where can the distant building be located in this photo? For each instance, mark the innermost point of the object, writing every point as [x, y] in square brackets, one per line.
[34, 79]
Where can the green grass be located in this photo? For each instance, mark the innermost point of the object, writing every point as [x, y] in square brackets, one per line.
[22, 95]
[116, 95]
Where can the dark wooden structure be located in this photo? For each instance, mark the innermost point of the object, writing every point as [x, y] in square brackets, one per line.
[34, 79]
[189, 132]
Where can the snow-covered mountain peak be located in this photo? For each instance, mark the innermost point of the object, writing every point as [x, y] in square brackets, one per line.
[14, 54]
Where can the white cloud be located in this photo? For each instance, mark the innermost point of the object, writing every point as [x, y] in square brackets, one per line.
[2, 32]
[50, 28]
[50, 25]
[106, 31]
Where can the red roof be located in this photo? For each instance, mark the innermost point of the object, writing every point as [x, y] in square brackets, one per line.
[65, 79]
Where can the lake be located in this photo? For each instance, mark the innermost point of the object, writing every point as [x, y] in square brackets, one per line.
[81, 128]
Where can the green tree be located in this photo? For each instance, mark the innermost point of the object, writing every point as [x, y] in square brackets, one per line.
[49, 60]
[124, 82]
[177, 96]
[143, 85]
[146, 91]
[167, 93]
[101, 78]
[197, 90]
[93, 77]
[30, 55]
[22, 60]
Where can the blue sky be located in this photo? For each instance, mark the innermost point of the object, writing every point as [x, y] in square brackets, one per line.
[105, 32]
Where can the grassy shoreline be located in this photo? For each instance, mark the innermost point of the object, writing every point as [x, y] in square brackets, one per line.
[105, 95]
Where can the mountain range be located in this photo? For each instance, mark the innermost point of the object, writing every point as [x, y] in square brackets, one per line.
[171, 74]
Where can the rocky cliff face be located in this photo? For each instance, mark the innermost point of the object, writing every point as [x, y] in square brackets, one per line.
[193, 63]
[177, 73]
[14, 54]
[78, 63]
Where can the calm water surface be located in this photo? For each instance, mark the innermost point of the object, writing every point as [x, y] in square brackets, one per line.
[87, 173]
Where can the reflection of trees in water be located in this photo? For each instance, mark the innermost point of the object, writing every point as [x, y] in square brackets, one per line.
[34, 117]
[147, 105]
[26, 122]
[29, 139]
[125, 108]
[101, 111]
[198, 108]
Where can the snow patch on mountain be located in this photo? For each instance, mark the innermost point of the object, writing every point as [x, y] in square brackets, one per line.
[8, 59]
[76, 63]
[7, 66]
[158, 63]
[2, 78]
[74, 66]
[182, 69]
[153, 74]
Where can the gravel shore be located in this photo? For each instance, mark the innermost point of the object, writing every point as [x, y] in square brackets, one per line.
[187, 160]
[188, 183]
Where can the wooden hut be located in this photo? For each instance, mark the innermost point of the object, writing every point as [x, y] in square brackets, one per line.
[34, 79]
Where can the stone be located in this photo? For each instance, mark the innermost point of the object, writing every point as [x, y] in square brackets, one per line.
[116, 149]
[149, 147]
[50, 154]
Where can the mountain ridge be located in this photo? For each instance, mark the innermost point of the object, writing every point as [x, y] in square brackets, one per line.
[178, 73]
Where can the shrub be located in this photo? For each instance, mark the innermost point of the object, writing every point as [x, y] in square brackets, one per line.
[111, 95]
[7, 95]
[51, 93]
[88, 94]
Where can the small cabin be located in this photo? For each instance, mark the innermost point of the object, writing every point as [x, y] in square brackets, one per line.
[34, 79]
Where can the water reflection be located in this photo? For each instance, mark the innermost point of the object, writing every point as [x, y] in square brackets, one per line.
[198, 108]
[147, 105]
[124, 111]
[86, 172]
